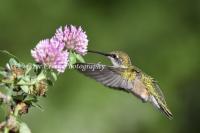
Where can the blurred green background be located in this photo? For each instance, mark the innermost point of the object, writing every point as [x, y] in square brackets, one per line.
[161, 37]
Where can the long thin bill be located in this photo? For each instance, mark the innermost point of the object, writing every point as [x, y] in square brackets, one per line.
[97, 52]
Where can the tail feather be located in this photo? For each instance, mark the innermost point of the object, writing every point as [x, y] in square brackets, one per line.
[161, 107]
[158, 100]
[166, 111]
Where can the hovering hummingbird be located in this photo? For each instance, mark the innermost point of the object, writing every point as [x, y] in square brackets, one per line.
[127, 77]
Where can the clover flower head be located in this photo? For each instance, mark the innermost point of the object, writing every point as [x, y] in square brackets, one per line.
[51, 53]
[74, 38]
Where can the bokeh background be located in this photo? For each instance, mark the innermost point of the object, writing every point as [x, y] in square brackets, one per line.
[161, 37]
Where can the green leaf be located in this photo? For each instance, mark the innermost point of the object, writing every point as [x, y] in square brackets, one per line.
[30, 98]
[34, 104]
[54, 75]
[25, 88]
[3, 73]
[21, 82]
[80, 58]
[12, 62]
[41, 76]
[72, 59]
[18, 97]
[33, 81]
[24, 128]
[26, 78]
[50, 82]
[37, 67]
[9, 54]
[28, 68]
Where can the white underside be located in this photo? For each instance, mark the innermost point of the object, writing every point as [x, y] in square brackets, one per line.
[114, 62]
[154, 101]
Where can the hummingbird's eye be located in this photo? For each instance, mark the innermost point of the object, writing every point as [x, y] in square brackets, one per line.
[114, 56]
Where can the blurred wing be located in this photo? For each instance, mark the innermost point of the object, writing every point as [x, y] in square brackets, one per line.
[107, 75]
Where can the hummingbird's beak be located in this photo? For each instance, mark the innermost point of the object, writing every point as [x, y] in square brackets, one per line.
[101, 53]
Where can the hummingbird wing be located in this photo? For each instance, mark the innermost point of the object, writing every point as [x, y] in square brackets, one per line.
[110, 76]
[107, 75]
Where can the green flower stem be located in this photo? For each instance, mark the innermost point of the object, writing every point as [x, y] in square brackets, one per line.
[6, 81]
[16, 111]
[27, 84]
[18, 84]
[6, 130]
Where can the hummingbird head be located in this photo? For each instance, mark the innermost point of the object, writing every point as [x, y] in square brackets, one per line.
[118, 58]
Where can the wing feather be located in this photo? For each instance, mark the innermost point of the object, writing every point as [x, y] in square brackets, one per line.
[108, 76]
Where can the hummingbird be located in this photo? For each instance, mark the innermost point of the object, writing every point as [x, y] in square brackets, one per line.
[125, 76]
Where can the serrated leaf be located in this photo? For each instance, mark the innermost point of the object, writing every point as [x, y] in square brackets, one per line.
[9, 54]
[80, 58]
[25, 88]
[24, 128]
[36, 67]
